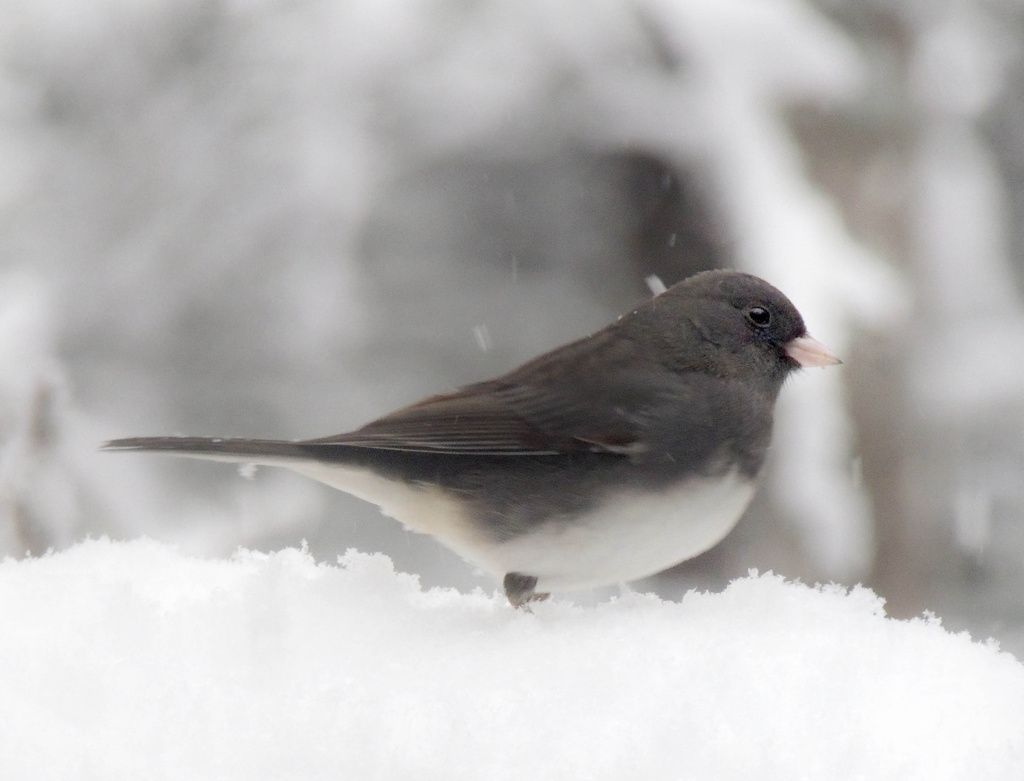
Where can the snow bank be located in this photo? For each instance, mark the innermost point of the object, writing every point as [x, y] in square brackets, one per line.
[130, 660]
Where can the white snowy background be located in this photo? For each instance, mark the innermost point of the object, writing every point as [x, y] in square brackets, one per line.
[130, 660]
[284, 219]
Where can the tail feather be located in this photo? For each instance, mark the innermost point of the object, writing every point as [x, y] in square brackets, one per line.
[264, 451]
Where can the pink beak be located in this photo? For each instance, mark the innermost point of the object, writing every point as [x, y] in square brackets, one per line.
[809, 352]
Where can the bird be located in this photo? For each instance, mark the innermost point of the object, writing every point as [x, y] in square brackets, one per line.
[606, 460]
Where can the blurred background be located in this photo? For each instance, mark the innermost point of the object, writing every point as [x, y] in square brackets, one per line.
[285, 218]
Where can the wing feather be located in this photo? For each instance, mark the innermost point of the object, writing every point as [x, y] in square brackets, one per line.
[556, 404]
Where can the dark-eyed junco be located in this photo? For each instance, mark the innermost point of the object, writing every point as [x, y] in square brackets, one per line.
[606, 460]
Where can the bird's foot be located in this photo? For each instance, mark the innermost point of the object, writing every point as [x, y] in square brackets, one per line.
[519, 589]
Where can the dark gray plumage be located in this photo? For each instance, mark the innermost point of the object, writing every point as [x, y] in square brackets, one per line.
[605, 460]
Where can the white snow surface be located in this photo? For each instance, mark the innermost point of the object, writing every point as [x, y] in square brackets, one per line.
[132, 660]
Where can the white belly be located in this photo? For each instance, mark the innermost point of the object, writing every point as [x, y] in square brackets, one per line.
[628, 539]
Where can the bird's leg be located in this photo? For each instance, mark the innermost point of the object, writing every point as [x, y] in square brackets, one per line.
[519, 589]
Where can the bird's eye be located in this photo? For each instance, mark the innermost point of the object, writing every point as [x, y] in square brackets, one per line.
[759, 317]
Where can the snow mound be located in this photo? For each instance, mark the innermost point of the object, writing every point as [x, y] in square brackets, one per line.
[131, 660]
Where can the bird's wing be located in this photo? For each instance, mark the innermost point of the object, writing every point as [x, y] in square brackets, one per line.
[472, 420]
[518, 420]
[556, 404]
